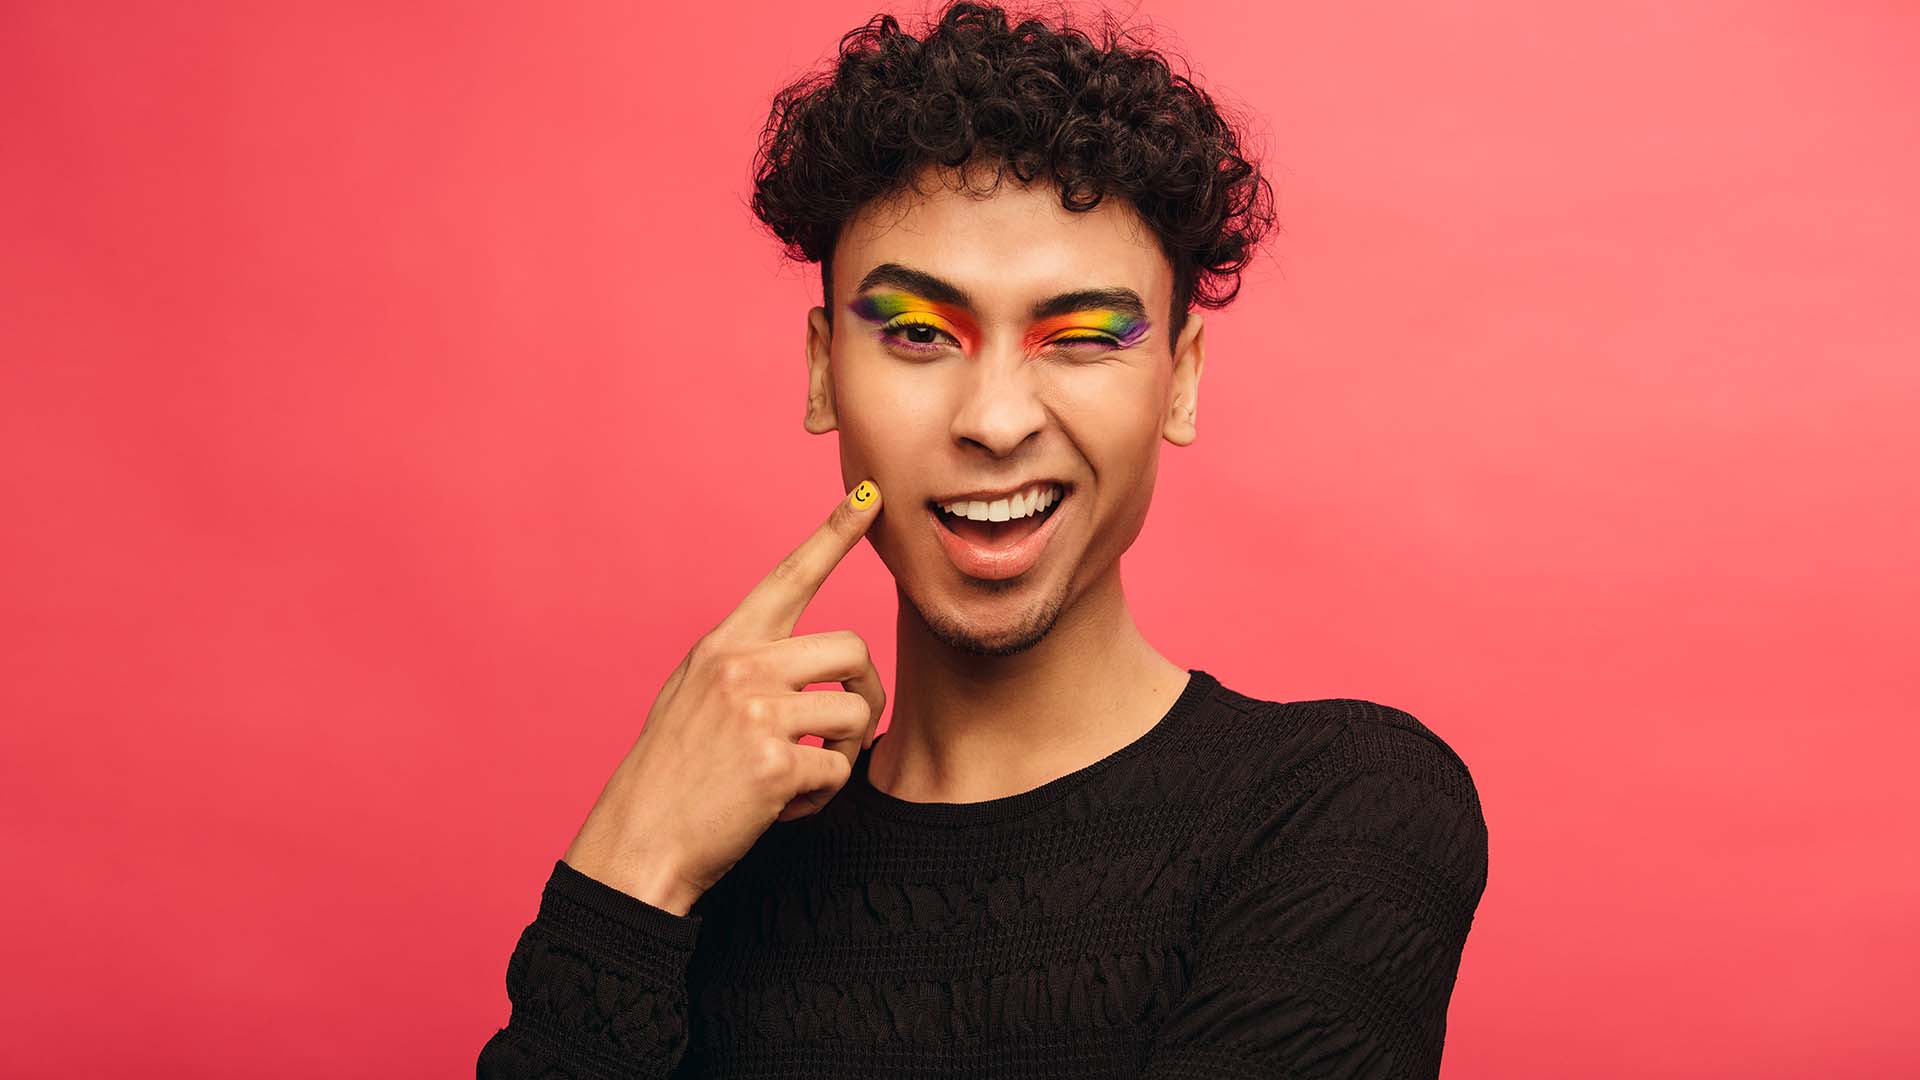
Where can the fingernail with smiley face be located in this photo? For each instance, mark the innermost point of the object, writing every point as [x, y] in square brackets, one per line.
[864, 494]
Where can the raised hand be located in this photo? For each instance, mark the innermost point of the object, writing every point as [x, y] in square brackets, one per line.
[718, 760]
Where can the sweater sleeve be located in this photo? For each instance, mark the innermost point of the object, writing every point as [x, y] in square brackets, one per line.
[1331, 946]
[598, 984]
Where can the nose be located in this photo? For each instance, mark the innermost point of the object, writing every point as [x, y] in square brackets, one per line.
[998, 407]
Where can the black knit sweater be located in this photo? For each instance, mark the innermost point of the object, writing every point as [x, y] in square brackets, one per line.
[1250, 889]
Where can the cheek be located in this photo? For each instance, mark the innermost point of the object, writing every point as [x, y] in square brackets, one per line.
[886, 422]
[1118, 432]
[1115, 417]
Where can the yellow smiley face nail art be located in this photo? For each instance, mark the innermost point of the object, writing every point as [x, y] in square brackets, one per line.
[863, 495]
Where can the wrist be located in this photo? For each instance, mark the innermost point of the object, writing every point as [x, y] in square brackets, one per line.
[652, 877]
[659, 884]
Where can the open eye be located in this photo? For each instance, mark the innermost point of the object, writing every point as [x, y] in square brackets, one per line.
[916, 332]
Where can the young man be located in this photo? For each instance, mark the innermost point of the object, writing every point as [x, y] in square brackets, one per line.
[1069, 855]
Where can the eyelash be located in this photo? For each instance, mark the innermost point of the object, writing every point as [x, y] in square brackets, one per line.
[893, 331]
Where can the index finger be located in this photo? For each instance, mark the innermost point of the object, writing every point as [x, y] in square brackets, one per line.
[773, 607]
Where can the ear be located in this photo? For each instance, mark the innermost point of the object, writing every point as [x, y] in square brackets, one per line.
[820, 415]
[1189, 356]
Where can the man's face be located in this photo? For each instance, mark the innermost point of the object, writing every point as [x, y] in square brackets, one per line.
[981, 346]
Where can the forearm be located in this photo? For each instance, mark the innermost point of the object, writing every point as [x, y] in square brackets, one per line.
[598, 986]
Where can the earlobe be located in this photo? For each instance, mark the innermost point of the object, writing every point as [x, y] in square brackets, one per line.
[820, 417]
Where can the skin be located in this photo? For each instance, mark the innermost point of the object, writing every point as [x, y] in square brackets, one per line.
[1002, 686]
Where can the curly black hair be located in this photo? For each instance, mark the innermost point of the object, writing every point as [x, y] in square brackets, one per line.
[1097, 119]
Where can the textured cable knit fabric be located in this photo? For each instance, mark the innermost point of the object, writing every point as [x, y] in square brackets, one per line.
[1250, 889]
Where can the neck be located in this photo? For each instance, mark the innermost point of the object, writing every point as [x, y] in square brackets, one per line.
[967, 728]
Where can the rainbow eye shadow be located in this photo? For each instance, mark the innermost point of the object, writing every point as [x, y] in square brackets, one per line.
[895, 311]
[1125, 329]
[882, 308]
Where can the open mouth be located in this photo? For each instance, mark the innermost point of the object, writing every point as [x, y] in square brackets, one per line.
[997, 534]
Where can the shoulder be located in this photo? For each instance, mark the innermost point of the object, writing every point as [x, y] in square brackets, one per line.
[1353, 862]
[1284, 741]
[1371, 738]
[1355, 782]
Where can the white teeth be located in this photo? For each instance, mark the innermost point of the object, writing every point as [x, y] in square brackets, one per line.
[1028, 502]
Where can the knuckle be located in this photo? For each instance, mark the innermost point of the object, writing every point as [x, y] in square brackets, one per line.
[702, 652]
[710, 653]
[771, 763]
[847, 645]
[858, 712]
[789, 570]
[859, 645]
[757, 711]
[733, 670]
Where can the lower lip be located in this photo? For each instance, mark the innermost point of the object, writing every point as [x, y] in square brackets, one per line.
[999, 561]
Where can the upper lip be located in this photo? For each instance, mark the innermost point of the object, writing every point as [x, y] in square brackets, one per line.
[984, 495]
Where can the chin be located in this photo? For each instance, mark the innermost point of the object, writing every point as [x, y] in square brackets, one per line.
[986, 626]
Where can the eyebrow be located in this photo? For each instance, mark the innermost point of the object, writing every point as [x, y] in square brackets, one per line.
[921, 283]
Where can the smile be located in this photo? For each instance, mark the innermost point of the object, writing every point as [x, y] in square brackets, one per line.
[1034, 500]
[1001, 539]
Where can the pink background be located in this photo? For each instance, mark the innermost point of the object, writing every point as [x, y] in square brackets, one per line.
[389, 397]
